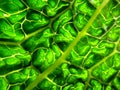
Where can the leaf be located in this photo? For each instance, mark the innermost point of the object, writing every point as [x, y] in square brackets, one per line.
[59, 45]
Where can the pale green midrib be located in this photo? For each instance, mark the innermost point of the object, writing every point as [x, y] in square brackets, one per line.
[71, 46]
[8, 43]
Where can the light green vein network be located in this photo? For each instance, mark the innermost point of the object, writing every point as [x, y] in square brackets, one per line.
[71, 46]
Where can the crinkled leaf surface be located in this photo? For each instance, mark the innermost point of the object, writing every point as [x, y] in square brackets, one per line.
[59, 44]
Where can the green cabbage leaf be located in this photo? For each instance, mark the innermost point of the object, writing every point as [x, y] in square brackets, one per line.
[59, 44]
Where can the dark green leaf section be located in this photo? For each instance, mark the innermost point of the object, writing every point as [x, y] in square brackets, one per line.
[50, 7]
[18, 79]
[64, 30]
[63, 19]
[17, 17]
[82, 11]
[12, 13]
[3, 83]
[13, 58]
[43, 39]
[11, 6]
[53, 7]
[9, 32]
[65, 77]
[45, 57]
[59, 45]
[37, 4]
[34, 20]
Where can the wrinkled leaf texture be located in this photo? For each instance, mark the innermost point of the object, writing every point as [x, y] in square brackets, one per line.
[59, 44]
